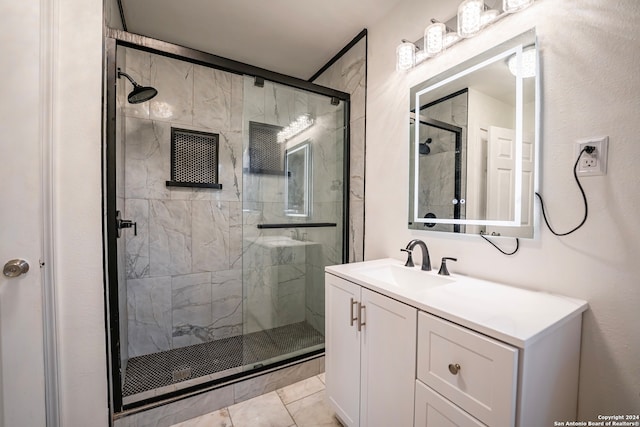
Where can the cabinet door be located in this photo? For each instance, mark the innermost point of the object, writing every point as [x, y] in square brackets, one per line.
[433, 410]
[342, 350]
[388, 361]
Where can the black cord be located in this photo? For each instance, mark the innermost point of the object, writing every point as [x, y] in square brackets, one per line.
[589, 149]
[496, 246]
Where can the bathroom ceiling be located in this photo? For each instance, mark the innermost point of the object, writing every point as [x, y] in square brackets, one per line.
[287, 36]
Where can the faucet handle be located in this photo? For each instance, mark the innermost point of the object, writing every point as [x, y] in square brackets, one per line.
[409, 262]
[443, 266]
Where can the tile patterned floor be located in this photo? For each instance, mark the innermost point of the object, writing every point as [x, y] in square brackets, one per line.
[299, 405]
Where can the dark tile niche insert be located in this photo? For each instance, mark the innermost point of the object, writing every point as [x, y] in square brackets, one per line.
[266, 156]
[194, 159]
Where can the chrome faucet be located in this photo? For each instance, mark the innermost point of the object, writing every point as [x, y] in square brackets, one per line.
[426, 261]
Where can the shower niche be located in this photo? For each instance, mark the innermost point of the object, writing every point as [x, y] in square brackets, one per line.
[223, 275]
[194, 159]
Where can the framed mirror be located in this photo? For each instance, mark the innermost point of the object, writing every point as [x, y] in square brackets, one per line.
[473, 144]
[297, 191]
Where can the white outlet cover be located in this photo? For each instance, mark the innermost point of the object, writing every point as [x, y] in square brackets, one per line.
[602, 147]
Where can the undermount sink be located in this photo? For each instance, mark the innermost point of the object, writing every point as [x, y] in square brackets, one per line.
[402, 277]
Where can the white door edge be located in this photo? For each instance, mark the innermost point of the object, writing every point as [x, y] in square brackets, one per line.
[48, 36]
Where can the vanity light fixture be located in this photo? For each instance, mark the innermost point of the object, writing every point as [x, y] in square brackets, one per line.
[473, 16]
[511, 6]
[434, 36]
[470, 18]
[528, 62]
[405, 56]
[303, 122]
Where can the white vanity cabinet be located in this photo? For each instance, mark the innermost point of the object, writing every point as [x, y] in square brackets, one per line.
[444, 352]
[370, 356]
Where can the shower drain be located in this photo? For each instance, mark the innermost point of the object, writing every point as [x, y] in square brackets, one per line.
[181, 374]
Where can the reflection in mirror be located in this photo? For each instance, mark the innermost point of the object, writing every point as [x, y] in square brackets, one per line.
[473, 134]
[298, 178]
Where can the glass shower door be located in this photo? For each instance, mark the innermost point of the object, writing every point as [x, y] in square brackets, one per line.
[292, 217]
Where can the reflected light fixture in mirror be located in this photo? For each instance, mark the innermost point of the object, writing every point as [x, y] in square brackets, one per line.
[528, 59]
[297, 126]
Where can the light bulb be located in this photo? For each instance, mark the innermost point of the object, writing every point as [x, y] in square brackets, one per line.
[405, 56]
[511, 6]
[469, 17]
[434, 38]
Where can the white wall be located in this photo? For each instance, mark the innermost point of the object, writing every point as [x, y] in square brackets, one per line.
[77, 213]
[590, 87]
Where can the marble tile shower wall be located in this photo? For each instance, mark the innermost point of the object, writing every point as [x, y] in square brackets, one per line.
[348, 74]
[184, 277]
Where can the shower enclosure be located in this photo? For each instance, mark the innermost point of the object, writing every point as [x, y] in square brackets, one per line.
[225, 199]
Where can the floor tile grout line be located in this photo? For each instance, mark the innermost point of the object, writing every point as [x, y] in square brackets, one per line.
[295, 423]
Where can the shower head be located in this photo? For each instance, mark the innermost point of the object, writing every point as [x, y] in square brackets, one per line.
[424, 148]
[139, 93]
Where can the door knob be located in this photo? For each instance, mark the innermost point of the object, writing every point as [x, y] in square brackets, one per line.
[15, 268]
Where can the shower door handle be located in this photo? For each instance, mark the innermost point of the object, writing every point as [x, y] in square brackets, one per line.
[125, 223]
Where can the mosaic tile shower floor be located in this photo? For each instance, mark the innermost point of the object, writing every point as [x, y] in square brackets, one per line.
[167, 368]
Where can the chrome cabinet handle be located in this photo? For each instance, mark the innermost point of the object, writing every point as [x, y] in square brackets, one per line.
[15, 268]
[351, 318]
[454, 369]
[361, 309]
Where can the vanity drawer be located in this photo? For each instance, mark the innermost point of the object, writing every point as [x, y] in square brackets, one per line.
[475, 372]
[433, 410]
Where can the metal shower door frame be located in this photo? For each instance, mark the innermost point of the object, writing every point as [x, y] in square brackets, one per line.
[113, 39]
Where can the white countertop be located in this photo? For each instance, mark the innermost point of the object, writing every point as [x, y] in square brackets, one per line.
[513, 315]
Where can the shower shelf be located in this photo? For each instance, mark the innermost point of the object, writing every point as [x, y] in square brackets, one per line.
[194, 184]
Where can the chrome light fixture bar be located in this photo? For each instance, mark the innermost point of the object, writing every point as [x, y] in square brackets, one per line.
[473, 16]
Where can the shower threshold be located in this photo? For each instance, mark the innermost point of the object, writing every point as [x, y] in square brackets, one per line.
[155, 374]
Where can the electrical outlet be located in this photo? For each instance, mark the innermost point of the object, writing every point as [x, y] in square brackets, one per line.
[593, 164]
